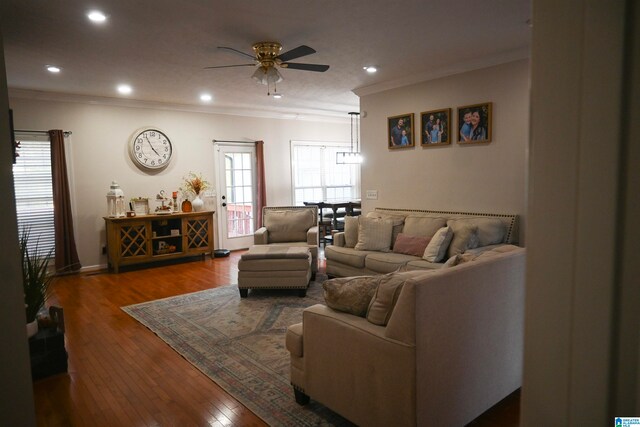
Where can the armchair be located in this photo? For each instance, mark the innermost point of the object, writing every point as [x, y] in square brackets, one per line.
[290, 226]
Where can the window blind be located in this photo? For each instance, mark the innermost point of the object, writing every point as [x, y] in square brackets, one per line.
[34, 191]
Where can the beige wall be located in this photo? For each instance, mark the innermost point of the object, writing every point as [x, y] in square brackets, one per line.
[479, 178]
[98, 148]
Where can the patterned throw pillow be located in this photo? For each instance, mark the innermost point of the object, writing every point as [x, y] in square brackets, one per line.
[350, 294]
[374, 235]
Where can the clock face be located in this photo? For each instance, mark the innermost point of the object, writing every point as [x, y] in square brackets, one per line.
[151, 149]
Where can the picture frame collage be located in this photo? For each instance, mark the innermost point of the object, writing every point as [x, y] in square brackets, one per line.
[474, 126]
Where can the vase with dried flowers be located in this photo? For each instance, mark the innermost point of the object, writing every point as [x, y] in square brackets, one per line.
[194, 183]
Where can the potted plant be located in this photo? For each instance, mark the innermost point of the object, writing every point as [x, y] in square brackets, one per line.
[36, 279]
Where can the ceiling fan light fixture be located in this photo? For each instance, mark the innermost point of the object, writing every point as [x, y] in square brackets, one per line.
[267, 76]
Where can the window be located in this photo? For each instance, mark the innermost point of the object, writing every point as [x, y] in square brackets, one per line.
[34, 190]
[317, 177]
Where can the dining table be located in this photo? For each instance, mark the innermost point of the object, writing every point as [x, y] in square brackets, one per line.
[334, 205]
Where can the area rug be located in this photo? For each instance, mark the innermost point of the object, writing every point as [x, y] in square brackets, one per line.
[240, 344]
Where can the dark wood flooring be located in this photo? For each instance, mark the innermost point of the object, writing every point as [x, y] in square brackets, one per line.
[121, 374]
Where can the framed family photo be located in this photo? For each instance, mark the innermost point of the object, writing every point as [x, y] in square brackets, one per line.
[435, 128]
[474, 124]
[400, 131]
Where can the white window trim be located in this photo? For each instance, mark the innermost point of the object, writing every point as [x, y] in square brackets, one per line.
[295, 143]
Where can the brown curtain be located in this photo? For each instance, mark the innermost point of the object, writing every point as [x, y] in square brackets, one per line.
[66, 253]
[261, 183]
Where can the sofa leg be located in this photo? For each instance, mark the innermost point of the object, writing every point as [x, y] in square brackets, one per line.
[301, 398]
[302, 293]
[244, 293]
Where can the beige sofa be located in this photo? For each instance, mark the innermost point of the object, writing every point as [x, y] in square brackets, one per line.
[290, 226]
[345, 259]
[451, 349]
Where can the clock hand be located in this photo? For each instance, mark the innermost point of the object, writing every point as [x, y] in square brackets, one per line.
[151, 145]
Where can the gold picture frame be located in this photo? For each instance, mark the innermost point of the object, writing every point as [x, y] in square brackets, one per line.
[435, 128]
[474, 124]
[400, 131]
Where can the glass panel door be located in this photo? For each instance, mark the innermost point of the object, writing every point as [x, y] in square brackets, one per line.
[237, 196]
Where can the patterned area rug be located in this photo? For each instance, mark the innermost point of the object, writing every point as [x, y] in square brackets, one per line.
[240, 344]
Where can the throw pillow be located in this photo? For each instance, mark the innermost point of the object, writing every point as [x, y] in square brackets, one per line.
[397, 220]
[490, 230]
[385, 298]
[350, 294]
[438, 245]
[410, 245]
[374, 235]
[351, 231]
[464, 237]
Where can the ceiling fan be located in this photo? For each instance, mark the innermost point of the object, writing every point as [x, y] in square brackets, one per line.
[267, 58]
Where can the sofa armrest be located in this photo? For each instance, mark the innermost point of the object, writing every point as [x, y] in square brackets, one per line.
[261, 236]
[338, 238]
[312, 236]
[341, 353]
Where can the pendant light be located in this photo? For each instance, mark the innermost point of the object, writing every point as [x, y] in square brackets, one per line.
[351, 157]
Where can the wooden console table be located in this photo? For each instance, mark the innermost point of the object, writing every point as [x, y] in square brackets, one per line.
[152, 238]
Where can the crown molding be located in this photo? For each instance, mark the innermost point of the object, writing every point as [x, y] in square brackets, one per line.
[303, 114]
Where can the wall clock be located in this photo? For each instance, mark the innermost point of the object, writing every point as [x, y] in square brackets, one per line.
[150, 149]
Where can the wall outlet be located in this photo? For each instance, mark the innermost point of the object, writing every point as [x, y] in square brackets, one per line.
[372, 194]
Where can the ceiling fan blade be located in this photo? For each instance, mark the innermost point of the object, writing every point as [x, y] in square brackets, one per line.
[305, 67]
[229, 66]
[237, 51]
[295, 53]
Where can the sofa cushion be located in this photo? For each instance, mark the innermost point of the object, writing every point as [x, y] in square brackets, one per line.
[385, 298]
[374, 234]
[350, 294]
[387, 262]
[490, 230]
[422, 225]
[351, 231]
[397, 220]
[347, 256]
[410, 245]
[289, 225]
[438, 245]
[465, 236]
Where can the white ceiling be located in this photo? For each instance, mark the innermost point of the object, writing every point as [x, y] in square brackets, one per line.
[161, 46]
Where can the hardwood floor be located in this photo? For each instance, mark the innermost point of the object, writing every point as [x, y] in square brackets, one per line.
[121, 374]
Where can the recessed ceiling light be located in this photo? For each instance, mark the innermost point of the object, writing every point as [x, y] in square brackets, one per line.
[125, 89]
[53, 69]
[370, 69]
[96, 16]
[205, 97]
[277, 95]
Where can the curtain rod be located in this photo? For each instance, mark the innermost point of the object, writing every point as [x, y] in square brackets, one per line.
[44, 132]
[241, 142]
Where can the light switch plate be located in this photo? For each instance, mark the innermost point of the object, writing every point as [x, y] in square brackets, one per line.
[372, 194]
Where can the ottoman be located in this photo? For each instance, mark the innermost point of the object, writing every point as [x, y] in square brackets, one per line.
[274, 267]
